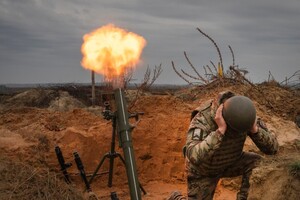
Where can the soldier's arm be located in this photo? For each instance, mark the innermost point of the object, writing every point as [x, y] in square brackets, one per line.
[198, 150]
[203, 139]
[264, 140]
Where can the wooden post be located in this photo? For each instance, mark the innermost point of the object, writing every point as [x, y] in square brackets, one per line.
[93, 88]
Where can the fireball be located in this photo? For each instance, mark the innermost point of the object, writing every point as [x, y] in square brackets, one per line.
[111, 51]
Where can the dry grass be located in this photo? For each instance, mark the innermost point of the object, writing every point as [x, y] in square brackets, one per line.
[19, 181]
[294, 169]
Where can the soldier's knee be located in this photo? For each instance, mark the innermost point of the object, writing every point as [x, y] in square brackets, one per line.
[253, 157]
[257, 159]
[252, 160]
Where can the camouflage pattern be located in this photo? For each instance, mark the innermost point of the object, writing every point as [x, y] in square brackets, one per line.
[265, 141]
[203, 187]
[211, 155]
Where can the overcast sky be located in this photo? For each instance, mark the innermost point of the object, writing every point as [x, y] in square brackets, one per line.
[40, 40]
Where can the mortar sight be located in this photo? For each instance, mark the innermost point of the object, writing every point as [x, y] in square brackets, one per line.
[107, 113]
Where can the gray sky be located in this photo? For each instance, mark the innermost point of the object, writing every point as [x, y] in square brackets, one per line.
[40, 40]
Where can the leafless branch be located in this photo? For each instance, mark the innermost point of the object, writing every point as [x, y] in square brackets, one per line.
[147, 75]
[239, 75]
[297, 73]
[205, 71]
[193, 67]
[214, 66]
[244, 71]
[209, 70]
[128, 77]
[233, 61]
[192, 77]
[219, 52]
[270, 77]
[174, 68]
[146, 84]
[156, 73]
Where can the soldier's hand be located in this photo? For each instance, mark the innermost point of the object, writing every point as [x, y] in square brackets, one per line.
[220, 120]
[254, 128]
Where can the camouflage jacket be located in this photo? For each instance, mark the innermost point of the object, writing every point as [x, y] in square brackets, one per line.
[208, 152]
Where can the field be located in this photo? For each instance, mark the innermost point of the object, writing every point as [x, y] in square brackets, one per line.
[34, 121]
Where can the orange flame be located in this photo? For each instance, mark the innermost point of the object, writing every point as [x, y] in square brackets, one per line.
[110, 51]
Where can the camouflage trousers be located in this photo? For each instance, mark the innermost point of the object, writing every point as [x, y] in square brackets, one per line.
[203, 187]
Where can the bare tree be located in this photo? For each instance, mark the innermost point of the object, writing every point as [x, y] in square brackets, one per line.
[199, 79]
[212, 73]
[147, 82]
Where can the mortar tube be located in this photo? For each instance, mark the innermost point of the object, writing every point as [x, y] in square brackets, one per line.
[124, 131]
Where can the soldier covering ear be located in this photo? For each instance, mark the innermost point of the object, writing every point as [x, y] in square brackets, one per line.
[214, 145]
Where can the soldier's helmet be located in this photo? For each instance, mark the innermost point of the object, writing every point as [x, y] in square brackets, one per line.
[239, 113]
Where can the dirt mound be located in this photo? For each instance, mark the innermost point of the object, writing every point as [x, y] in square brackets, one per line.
[65, 102]
[270, 99]
[283, 102]
[44, 98]
[32, 98]
[274, 181]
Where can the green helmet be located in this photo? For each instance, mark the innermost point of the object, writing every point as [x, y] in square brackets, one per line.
[239, 113]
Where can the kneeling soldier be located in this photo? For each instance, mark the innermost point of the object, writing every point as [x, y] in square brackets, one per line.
[214, 146]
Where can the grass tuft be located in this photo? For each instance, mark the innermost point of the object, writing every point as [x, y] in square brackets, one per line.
[294, 169]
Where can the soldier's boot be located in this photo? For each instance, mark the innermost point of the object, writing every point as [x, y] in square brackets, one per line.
[176, 195]
[244, 190]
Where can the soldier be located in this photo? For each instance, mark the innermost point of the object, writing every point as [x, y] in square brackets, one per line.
[214, 146]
